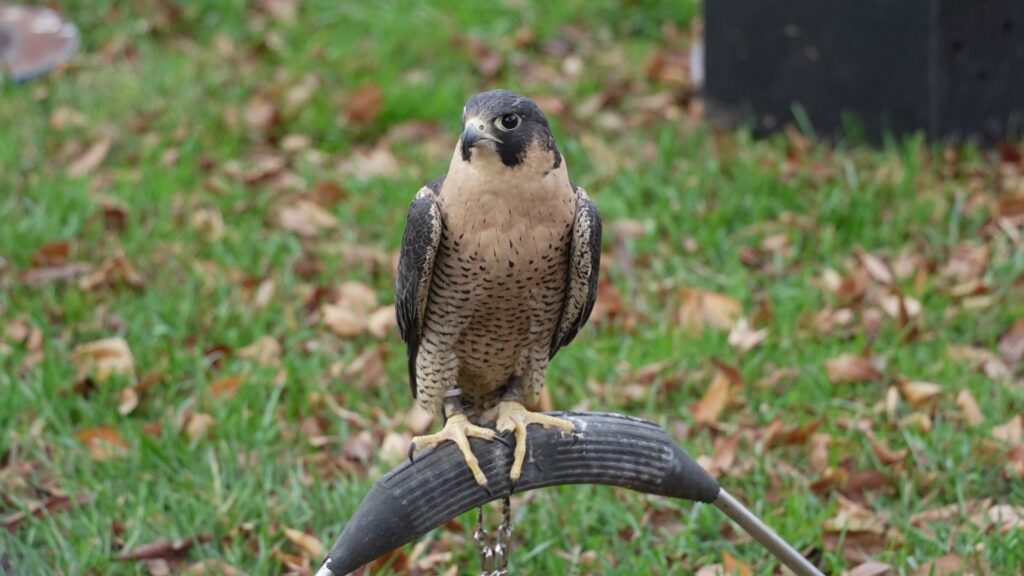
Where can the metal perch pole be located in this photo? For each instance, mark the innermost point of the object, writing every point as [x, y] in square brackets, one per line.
[613, 449]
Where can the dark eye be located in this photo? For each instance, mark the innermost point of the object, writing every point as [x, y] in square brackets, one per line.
[508, 122]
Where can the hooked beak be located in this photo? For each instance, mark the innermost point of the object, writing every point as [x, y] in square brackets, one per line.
[473, 133]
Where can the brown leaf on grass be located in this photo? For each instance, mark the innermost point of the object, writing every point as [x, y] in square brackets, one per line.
[51, 254]
[367, 370]
[418, 420]
[876, 267]
[166, 549]
[985, 360]
[382, 321]
[887, 455]
[848, 369]
[104, 358]
[343, 321]
[103, 442]
[64, 117]
[744, 338]
[305, 218]
[91, 159]
[376, 162]
[43, 276]
[1011, 343]
[1002, 518]
[734, 566]
[872, 568]
[208, 222]
[394, 448]
[818, 450]
[20, 331]
[700, 309]
[709, 408]
[115, 272]
[196, 424]
[226, 387]
[265, 351]
[1012, 432]
[261, 115]
[305, 542]
[128, 400]
[365, 105]
[327, 194]
[969, 408]
[858, 533]
[51, 505]
[967, 261]
[945, 565]
[292, 563]
[211, 567]
[919, 393]
[283, 10]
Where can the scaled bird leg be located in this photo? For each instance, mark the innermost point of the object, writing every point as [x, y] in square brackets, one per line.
[457, 429]
[512, 415]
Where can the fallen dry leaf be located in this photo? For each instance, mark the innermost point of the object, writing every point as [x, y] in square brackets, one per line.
[1005, 517]
[733, 566]
[305, 218]
[744, 338]
[919, 393]
[1012, 432]
[91, 159]
[128, 401]
[945, 565]
[113, 273]
[969, 408]
[1011, 343]
[818, 450]
[103, 442]
[700, 309]
[163, 548]
[51, 505]
[382, 321]
[876, 267]
[709, 408]
[377, 162]
[365, 104]
[51, 254]
[196, 424]
[104, 358]
[343, 321]
[885, 454]
[357, 296]
[848, 368]
[394, 448]
[226, 387]
[306, 542]
[872, 568]
[211, 567]
[265, 351]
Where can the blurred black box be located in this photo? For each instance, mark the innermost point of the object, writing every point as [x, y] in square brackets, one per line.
[950, 68]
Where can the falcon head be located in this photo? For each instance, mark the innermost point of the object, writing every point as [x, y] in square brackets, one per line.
[509, 125]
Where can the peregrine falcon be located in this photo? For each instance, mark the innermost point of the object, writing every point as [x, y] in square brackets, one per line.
[498, 271]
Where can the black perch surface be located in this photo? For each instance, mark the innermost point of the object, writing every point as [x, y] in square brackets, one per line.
[417, 497]
[950, 68]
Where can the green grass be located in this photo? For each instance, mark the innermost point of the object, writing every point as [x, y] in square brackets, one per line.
[155, 79]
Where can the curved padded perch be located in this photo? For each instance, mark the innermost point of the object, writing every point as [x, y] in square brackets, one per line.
[417, 497]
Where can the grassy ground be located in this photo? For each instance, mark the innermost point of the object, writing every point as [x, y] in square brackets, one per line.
[194, 185]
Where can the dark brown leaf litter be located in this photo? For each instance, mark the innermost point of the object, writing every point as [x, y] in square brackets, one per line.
[165, 549]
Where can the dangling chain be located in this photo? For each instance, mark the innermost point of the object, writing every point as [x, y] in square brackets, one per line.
[494, 550]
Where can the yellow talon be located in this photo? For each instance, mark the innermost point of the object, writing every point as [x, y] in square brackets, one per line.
[458, 430]
[513, 415]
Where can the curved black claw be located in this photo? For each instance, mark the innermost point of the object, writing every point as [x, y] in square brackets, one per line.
[412, 452]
